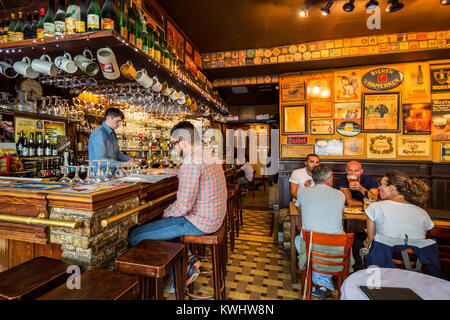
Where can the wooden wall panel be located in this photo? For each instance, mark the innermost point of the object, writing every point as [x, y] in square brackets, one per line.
[4, 254]
[51, 250]
[20, 252]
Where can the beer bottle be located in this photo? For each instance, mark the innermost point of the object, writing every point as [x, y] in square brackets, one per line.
[150, 40]
[48, 168]
[5, 31]
[420, 76]
[2, 24]
[40, 25]
[93, 16]
[123, 23]
[81, 17]
[49, 22]
[25, 148]
[31, 146]
[18, 30]
[60, 19]
[19, 144]
[71, 17]
[109, 15]
[34, 24]
[27, 32]
[11, 27]
[54, 150]
[137, 29]
[40, 146]
[131, 25]
[47, 149]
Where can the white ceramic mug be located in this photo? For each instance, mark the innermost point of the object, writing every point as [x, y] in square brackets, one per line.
[143, 79]
[157, 87]
[181, 100]
[45, 65]
[24, 68]
[174, 95]
[87, 65]
[108, 63]
[7, 69]
[66, 63]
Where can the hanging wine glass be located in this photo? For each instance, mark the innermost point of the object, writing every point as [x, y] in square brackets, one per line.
[65, 177]
[76, 179]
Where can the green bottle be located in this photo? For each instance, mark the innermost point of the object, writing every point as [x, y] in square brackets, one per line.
[18, 30]
[40, 27]
[82, 17]
[138, 31]
[60, 19]
[150, 49]
[123, 22]
[11, 27]
[49, 23]
[93, 16]
[131, 26]
[71, 17]
[109, 16]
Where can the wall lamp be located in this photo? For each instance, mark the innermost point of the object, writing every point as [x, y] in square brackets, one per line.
[326, 10]
[349, 6]
[394, 5]
[304, 12]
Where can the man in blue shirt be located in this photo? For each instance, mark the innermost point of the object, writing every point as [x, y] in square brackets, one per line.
[358, 186]
[103, 141]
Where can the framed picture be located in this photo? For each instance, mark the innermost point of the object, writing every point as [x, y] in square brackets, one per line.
[329, 147]
[417, 118]
[354, 147]
[319, 88]
[319, 127]
[247, 113]
[347, 86]
[293, 119]
[294, 91]
[320, 109]
[381, 112]
[296, 151]
[381, 146]
[349, 110]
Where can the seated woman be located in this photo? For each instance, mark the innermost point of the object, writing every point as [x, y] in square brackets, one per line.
[398, 213]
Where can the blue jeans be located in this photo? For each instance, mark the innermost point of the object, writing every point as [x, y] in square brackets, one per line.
[163, 230]
[320, 279]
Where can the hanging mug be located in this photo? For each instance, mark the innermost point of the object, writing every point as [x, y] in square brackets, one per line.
[143, 79]
[174, 95]
[108, 62]
[193, 105]
[165, 90]
[6, 69]
[157, 86]
[65, 63]
[87, 65]
[181, 98]
[45, 65]
[24, 68]
[188, 101]
[128, 70]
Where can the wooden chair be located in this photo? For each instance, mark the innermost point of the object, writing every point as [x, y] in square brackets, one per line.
[335, 240]
[31, 279]
[296, 223]
[442, 237]
[98, 284]
[249, 185]
[151, 261]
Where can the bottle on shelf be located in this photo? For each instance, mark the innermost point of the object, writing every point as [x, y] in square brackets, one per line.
[27, 31]
[19, 144]
[123, 21]
[2, 26]
[5, 31]
[57, 167]
[54, 150]
[131, 26]
[25, 148]
[47, 147]
[40, 26]
[150, 50]
[34, 25]
[109, 16]
[93, 16]
[419, 76]
[71, 17]
[11, 27]
[18, 30]
[60, 19]
[31, 146]
[137, 29]
[157, 49]
[81, 18]
[49, 22]
[40, 145]
[48, 168]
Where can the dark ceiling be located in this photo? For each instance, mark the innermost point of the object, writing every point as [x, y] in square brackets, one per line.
[262, 94]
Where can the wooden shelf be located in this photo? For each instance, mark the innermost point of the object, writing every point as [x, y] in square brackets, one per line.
[123, 50]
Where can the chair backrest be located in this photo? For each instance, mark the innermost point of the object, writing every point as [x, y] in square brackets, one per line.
[442, 236]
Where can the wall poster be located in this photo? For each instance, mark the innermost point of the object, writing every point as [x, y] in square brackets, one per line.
[320, 109]
[347, 86]
[349, 110]
[445, 151]
[329, 147]
[354, 146]
[294, 91]
[293, 119]
[381, 112]
[318, 127]
[440, 78]
[381, 146]
[413, 146]
[175, 39]
[417, 118]
[440, 120]
[319, 88]
[417, 82]
[296, 151]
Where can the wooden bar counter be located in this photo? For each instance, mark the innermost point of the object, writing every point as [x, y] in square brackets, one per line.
[88, 246]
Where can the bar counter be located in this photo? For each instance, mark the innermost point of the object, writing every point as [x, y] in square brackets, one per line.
[59, 222]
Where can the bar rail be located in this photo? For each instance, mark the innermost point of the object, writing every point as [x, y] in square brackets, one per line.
[40, 221]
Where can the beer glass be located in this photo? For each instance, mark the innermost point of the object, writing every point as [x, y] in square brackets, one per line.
[352, 178]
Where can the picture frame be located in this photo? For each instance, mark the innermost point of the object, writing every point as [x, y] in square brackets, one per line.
[320, 109]
[293, 91]
[416, 118]
[347, 111]
[293, 119]
[322, 127]
[296, 151]
[381, 112]
[247, 113]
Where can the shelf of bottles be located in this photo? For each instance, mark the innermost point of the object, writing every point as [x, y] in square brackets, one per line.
[71, 28]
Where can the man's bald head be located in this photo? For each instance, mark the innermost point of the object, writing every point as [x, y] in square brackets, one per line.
[355, 168]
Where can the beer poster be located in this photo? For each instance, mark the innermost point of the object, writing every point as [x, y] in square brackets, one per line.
[445, 151]
[381, 112]
[440, 78]
[381, 146]
[320, 109]
[413, 146]
[28, 125]
[347, 85]
[319, 88]
[319, 127]
[198, 59]
[7, 128]
[440, 120]
[350, 110]
[175, 39]
[417, 118]
[354, 147]
[294, 91]
[293, 119]
[417, 82]
[54, 129]
[329, 147]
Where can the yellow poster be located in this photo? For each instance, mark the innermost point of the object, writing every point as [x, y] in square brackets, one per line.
[28, 125]
[354, 146]
[381, 146]
[294, 119]
[417, 82]
[347, 86]
[413, 146]
[54, 129]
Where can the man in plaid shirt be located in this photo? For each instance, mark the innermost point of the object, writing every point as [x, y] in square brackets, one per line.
[201, 202]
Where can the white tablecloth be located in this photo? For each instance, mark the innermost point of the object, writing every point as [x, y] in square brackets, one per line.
[426, 286]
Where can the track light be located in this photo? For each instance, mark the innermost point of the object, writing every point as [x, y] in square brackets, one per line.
[304, 12]
[445, 2]
[394, 6]
[349, 6]
[371, 4]
[326, 10]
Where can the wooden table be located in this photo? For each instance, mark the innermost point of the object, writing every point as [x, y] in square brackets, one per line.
[352, 223]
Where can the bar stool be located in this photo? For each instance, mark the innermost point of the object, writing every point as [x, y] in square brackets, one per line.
[236, 206]
[218, 247]
[32, 279]
[152, 260]
[98, 284]
[230, 217]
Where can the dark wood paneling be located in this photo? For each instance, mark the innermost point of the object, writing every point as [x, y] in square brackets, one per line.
[20, 252]
[4, 252]
[441, 196]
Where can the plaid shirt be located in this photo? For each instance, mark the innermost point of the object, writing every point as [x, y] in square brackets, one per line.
[202, 192]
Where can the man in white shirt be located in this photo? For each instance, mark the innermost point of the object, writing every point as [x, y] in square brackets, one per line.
[301, 178]
[247, 170]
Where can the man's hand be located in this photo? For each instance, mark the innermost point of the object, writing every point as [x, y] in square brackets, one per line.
[308, 183]
[155, 172]
[130, 163]
[356, 186]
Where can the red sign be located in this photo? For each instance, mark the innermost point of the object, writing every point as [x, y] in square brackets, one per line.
[297, 140]
[382, 78]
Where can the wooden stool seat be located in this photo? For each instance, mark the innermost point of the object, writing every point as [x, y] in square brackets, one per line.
[154, 259]
[98, 284]
[32, 279]
[209, 239]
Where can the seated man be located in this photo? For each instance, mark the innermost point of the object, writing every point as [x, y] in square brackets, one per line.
[301, 178]
[245, 172]
[201, 202]
[321, 209]
[359, 185]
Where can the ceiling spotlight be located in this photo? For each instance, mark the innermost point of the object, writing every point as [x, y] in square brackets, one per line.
[349, 6]
[371, 4]
[304, 12]
[445, 2]
[326, 10]
[394, 6]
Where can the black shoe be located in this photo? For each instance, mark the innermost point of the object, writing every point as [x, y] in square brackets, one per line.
[319, 292]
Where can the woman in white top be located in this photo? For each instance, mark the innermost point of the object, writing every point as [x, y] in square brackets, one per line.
[398, 214]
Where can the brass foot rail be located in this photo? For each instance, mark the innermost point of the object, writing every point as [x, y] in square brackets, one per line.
[106, 222]
[40, 221]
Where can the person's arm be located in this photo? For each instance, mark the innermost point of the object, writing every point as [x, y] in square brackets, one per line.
[294, 188]
[99, 149]
[188, 186]
[371, 229]
[371, 193]
[349, 199]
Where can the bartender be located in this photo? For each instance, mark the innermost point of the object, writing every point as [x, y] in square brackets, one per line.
[103, 141]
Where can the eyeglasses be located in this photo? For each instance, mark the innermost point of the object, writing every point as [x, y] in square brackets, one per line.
[175, 143]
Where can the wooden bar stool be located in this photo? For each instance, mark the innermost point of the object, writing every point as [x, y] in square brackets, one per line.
[151, 261]
[237, 207]
[98, 284]
[230, 221]
[218, 247]
[32, 279]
